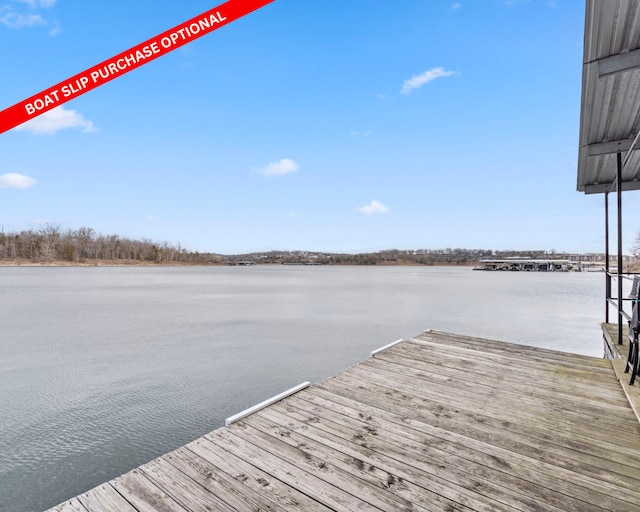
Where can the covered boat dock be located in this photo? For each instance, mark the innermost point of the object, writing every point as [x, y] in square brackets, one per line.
[608, 159]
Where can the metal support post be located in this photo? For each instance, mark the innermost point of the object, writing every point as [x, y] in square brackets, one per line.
[607, 278]
[619, 192]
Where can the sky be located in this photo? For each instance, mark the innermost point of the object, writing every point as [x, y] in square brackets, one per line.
[320, 125]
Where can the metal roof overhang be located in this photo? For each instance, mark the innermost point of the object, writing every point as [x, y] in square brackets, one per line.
[610, 105]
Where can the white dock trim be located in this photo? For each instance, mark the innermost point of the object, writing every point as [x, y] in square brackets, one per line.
[386, 347]
[266, 403]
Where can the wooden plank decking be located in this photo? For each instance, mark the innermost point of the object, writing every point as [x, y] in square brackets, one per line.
[437, 423]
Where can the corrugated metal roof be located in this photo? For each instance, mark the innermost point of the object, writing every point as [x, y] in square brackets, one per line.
[610, 107]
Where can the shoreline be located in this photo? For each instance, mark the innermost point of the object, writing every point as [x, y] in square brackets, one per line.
[110, 263]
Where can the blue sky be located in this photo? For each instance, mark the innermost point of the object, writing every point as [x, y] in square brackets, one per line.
[336, 125]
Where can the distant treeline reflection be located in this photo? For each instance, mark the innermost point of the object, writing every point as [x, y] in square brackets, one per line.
[52, 244]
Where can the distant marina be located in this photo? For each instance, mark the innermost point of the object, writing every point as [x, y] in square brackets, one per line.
[538, 265]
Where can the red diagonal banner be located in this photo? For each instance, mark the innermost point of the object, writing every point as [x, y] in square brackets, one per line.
[126, 61]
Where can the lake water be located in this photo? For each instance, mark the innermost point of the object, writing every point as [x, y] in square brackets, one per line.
[103, 369]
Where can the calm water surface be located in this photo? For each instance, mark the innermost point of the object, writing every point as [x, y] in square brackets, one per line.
[103, 369]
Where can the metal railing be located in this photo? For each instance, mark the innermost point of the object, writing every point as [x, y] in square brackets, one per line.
[632, 364]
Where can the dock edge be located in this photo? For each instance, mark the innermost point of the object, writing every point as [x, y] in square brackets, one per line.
[243, 414]
[374, 352]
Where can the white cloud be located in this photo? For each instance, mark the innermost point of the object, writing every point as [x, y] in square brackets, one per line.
[55, 30]
[372, 208]
[419, 80]
[55, 120]
[279, 168]
[34, 4]
[455, 6]
[27, 16]
[510, 3]
[15, 180]
[14, 19]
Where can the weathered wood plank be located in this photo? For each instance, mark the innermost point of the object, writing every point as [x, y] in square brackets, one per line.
[491, 404]
[382, 478]
[308, 483]
[514, 349]
[473, 427]
[596, 370]
[521, 476]
[519, 396]
[217, 482]
[144, 495]
[504, 379]
[519, 353]
[512, 492]
[399, 465]
[333, 473]
[565, 384]
[467, 436]
[518, 358]
[581, 452]
[72, 505]
[495, 402]
[479, 362]
[255, 481]
[184, 490]
[415, 498]
[105, 499]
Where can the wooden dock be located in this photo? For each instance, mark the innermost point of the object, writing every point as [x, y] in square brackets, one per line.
[440, 422]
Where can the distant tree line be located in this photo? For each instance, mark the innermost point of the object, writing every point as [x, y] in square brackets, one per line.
[447, 256]
[51, 244]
